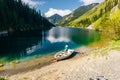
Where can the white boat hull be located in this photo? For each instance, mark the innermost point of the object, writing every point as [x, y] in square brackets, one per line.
[63, 54]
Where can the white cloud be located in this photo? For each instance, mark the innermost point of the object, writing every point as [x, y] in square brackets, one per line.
[33, 3]
[86, 2]
[61, 12]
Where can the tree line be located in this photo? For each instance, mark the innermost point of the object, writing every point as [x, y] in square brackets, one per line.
[18, 16]
[105, 7]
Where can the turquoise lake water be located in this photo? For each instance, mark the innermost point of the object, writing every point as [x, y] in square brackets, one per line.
[48, 42]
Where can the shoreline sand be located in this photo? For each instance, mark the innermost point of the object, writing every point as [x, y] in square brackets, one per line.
[80, 67]
[25, 66]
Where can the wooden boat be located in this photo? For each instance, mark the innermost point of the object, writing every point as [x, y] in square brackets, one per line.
[63, 54]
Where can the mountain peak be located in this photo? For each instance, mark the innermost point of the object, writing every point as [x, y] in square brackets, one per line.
[56, 14]
[75, 14]
[54, 18]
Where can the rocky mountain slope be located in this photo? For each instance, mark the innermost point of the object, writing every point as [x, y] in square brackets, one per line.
[75, 14]
[54, 18]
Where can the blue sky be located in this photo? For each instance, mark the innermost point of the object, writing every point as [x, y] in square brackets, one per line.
[61, 7]
[60, 4]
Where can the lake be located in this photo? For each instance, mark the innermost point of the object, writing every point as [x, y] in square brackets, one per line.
[47, 42]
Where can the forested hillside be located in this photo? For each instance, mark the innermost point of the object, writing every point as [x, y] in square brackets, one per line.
[94, 14]
[105, 18]
[75, 14]
[17, 16]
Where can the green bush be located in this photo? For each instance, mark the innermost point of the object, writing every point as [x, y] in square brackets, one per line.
[2, 78]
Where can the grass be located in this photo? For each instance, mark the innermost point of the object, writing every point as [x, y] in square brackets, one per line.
[96, 15]
[25, 78]
[1, 78]
[93, 12]
[113, 45]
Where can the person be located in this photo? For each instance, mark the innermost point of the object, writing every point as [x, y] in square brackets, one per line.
[66, 48]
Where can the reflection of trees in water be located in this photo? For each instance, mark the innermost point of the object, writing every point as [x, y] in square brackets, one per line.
[18, 45]
[85, 37]
[25, 44]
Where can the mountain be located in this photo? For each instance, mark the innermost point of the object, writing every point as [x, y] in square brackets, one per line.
[54, 18]
[18, 16]
[75, 14]
[105, 17]
[94, 14]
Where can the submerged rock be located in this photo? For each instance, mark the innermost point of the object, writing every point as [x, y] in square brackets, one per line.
[15, 62]
[1, 65]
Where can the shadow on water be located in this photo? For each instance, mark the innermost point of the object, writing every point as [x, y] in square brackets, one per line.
[39, 43]
[17, 45]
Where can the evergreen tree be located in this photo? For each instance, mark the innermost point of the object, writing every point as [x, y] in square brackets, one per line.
[17, 16]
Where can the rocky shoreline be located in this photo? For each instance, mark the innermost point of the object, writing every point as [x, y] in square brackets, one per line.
[78, 68]
[82, 66]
